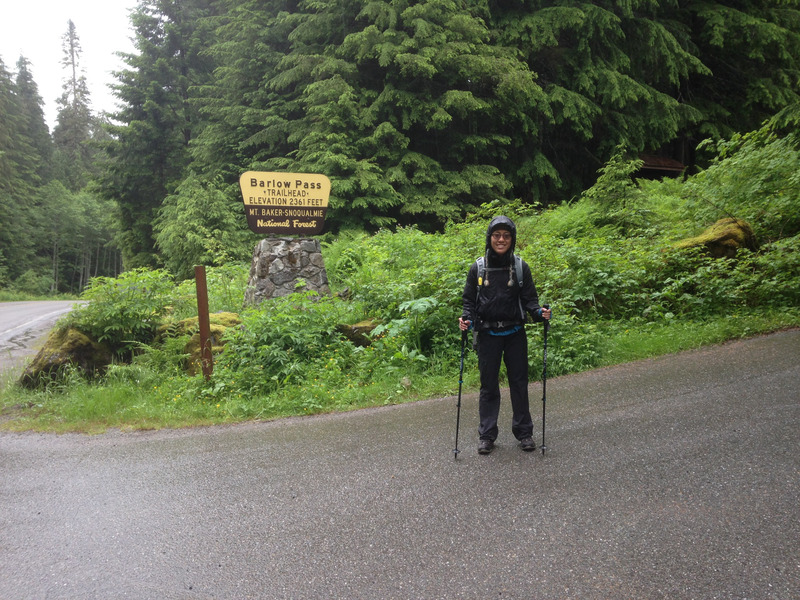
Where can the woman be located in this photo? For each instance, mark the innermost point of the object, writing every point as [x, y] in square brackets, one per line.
[498, 296]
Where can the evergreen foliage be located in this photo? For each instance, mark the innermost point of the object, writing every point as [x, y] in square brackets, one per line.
[18, 177]
[420, 113]
[199, 225]
[54, 233]
[751, 48]
[148, 151]
[75, 156]
[611, 73]
[35, 128]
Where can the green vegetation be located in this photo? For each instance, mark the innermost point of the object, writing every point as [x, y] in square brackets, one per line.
[418, 112]
[12, 295]
[609, 264]
[429, 118]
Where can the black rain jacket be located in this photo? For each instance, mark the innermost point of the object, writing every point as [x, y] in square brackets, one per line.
[499, 302]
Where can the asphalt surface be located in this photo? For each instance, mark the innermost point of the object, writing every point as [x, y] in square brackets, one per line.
[677, 477]
[23, 327]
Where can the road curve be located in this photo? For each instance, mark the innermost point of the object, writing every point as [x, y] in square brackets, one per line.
[22, 325]
[672, 478]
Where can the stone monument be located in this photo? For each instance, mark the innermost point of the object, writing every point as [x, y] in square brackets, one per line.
[282, 266]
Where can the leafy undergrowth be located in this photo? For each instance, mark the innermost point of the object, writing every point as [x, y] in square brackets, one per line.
[612, 266]
[135, 397]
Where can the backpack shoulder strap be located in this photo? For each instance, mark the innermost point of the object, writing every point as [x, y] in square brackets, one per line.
[481, 264]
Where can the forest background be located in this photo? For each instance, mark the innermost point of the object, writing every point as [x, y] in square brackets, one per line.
[428, 117]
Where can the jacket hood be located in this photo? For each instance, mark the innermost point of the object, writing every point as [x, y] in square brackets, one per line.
[501, 222]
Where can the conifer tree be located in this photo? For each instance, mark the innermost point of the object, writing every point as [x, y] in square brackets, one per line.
[752, 51]
[36, 130]
[423, 94]
[73, 131]
[40, 219]
[387, 99]
[18, 178]
[247, 119]
[611, 71]
[148, 154]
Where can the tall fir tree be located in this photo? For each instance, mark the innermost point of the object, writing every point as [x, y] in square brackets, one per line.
[752, 51]
[36, 129]
[18, 180]
[245, 118]
[427, 92]
[148, 152]
[385, 98]
[72, 134]
[610, 70]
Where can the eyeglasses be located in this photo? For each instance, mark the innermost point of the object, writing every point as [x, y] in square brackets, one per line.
[505, 235]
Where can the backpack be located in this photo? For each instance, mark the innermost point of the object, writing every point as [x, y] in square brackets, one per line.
[481, 262]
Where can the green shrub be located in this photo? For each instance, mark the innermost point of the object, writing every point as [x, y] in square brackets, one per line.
[756, 178]
[32, 283]
[278, 343]
[412, 282]
[124, 311]
[771, 277]
[200, 225]
[572, 345]
[225, 284]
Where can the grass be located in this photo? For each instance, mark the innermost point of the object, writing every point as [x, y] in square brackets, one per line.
[14, 296]
[137, 397]
[656, 339]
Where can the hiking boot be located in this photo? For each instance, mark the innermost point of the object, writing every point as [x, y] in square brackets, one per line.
[485, 446]
[527, 444]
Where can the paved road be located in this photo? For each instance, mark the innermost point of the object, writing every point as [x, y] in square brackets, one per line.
[671, 478]
[22, 324]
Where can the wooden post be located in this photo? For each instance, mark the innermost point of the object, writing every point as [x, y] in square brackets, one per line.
[206, 359]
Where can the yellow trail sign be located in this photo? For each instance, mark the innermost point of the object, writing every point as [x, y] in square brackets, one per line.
[285, 203]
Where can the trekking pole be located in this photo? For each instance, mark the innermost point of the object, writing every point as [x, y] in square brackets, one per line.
[544, 375]
[460, 381]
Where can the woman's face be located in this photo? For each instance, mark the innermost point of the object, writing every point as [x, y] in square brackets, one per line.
[501, 241]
